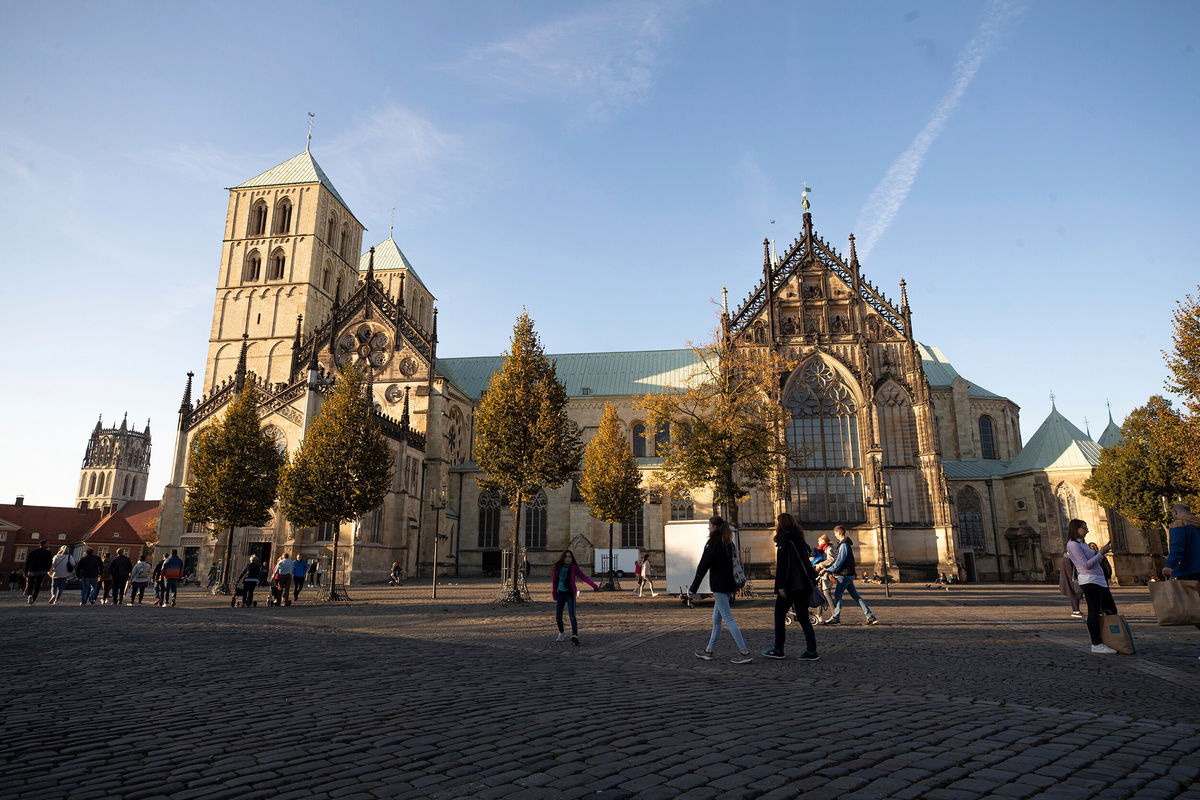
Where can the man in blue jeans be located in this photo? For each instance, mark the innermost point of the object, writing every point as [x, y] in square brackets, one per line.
[843, 571]
[88, 569]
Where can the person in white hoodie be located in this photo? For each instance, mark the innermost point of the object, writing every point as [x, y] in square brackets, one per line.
[60, 570]
[1091, 580]
[139, 579]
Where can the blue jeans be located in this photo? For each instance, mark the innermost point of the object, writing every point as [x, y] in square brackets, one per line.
[56, 588]
[88, 587]
[846, 584]
[566, 599]
[169, 589]
[721, 612]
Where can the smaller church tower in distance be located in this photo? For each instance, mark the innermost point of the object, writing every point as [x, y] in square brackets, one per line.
[116, 467]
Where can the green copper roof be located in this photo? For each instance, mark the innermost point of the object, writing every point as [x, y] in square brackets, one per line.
[1057, 444]
[388, 255]
[941, 373]
[1112, 434]
[298, 169]
[962, 469]
[602, 374]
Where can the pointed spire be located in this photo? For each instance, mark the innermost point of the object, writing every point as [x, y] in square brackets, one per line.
[337, 294]
[296, 341]
[853, 254]
[400, 293]
[404, 413]
[312, 358]
[239, 376]
[147, 431]
[434, 331]
[100, 422]
[903, 295]
[725, 301]
[311, 118]
[370, 266]
[1052, 406]
[1108, 405]
[125, 421]
[766, 253]
[1087, 426]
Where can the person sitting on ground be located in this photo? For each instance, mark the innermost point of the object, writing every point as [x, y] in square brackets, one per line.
[396, 575]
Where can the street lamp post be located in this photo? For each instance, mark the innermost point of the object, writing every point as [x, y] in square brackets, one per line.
[885, 501]
[611, 585]
[437, 501]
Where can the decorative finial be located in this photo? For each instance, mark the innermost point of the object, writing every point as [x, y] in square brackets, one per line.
[433, 333]
[371, 265]
[725, 300]
[1108, 405]
[308, 146]
[239, 376]
[1087, 427]
[1052, 406]
[404, 413]
[903, 294]
[392, 223]
[299, 322]
[766, 252]
[853, 253]
[100, 422]
[804, 198]
[125, 421]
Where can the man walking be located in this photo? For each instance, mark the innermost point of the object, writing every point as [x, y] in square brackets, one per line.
[118, 570]
[843, 571]
[171, 572]
[60, 570]
[37, 564]
[88, 569]
[284, 569]
[299, 570]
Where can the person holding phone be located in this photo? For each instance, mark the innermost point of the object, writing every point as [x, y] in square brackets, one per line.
[1091, 581]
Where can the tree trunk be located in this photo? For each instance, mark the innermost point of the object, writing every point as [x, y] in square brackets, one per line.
[611, 585]
[514, 590]
[333, 592]
[225, 587]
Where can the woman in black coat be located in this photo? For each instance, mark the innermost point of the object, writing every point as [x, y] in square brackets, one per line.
[794, 584]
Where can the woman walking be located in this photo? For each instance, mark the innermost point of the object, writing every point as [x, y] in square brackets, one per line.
[717, 562]
[139, 579]
[1067, 586]
[795, 582]
[250, 577]
[562, 588]
[1091, 580]
[644, 576]
[60, 570]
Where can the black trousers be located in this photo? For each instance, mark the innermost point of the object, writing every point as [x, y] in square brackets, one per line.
[137, 590]
[118, 588]
[248, 588]
[297, 585]
[1099, 601]
[33, 586]
[782, 606]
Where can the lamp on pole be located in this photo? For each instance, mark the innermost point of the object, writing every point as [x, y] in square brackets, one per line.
[437, 501]
[884, 500]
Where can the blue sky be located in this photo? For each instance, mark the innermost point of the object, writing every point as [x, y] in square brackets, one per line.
[1029, 168]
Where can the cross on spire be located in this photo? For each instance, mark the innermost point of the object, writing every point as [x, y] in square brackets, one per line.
[1052, 399]
[311, 117]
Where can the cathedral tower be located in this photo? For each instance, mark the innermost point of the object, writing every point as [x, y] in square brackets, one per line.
[115, 467]
[290, 250]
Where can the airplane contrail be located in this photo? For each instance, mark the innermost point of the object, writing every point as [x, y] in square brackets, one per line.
[885, 200]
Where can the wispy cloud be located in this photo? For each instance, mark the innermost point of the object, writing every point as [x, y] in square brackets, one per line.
[203, 163]
[602, 60]
[394, 156]
[885, 201]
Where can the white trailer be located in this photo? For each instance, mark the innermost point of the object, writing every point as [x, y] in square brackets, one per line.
[624, 560]
[684, 542]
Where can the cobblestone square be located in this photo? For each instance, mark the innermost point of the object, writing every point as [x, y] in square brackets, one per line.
[977, 692]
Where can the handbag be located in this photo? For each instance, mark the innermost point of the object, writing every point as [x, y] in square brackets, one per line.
[1176, 602]
[739, 573]
[816, 598]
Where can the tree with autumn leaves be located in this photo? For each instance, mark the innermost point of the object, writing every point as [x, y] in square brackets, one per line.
[727, 426]
[343, 467]
[524, 440]
[1159, 456]
[234, 469]
[611, 483]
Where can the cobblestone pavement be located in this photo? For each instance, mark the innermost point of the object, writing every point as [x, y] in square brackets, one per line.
[977, 692]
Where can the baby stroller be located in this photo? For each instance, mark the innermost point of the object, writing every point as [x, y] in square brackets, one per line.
[239, 598]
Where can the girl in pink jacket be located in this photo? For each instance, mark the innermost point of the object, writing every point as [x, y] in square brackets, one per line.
[562, 588]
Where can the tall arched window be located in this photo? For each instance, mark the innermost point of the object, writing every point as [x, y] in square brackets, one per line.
[326, 275]
[83, 484]
[1066, 508]
[133, 487]
[252, 270]
[125, 486]
[92, 485]
[283, 215]
[331, 231]
[987, 437]
[662, 438]
[535, 522]
[278, 265]
[489, 519]
[970, 520]
[258, 219]
[639, 440]
[345, 247]
[827, 474]
[897, 426]
[633, 530]
[682, 507]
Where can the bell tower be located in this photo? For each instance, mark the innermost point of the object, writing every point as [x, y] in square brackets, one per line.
[291, 247]
[116, 466]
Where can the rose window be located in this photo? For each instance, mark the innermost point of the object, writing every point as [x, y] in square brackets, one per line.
[363, 346]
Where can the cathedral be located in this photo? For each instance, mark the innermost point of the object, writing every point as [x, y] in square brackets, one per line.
[924, 467]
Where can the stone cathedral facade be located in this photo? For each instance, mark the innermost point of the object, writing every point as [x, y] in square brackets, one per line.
[870, 405]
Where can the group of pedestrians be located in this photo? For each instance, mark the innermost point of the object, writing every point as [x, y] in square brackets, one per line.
[116, 577]
[287, 580]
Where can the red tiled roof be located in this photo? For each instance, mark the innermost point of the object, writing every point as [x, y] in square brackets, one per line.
[140, 514]
[49, 521]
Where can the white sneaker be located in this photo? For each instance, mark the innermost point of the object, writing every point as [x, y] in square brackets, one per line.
[562, 637]
[654, 594]
[1103, 649]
